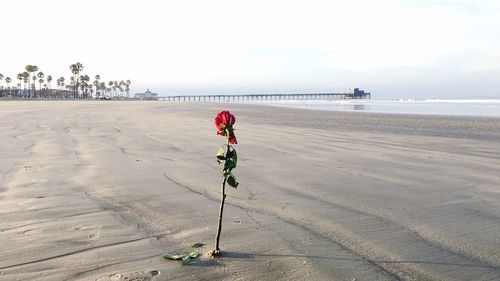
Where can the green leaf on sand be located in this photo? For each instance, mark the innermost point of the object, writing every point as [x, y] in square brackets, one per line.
[194, 254]
[185, 259]
[173, 256]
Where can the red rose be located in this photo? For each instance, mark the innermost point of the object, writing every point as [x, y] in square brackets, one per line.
[224, 122]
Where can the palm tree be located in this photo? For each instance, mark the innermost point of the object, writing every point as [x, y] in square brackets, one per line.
[40, 76]
[8, 80]
[72, 84]
[1, 78]
[40, 81]
[84, 85]
[76, 68]
[96, 85]
[115, 88]
[26, 79]
[127, 87]
[110, 84]
[60, 82]
[31, 69]
[20, 78]
[102, 87]
[49, 80]
[108, 91]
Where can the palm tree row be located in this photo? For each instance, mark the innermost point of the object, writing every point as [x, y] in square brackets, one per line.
[80, 85]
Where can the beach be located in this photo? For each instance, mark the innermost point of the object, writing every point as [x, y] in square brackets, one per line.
[100, 190]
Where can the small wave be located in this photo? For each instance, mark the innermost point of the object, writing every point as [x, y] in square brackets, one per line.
[457, 107]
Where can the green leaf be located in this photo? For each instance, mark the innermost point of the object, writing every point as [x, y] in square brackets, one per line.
[173, 256]
[235, 158]
[229, 165]
[220, 159]
[231, 158]
[231, 180]
[186, 260]
[194, 254]
[230, 152]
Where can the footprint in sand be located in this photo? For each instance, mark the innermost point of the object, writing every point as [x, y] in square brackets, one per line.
[141, 276]
[92, 231]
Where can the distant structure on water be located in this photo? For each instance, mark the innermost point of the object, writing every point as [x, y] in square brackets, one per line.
[356, 94]
[148, 95]
[360, 94]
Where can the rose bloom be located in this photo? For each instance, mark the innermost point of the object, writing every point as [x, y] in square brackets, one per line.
[224, 122]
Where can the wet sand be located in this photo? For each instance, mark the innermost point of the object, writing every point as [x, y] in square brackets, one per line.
[100, 190]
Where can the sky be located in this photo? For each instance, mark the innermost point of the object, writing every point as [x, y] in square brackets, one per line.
[392, 48]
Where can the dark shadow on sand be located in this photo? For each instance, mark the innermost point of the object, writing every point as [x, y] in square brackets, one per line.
[205, 262]
[250, 257]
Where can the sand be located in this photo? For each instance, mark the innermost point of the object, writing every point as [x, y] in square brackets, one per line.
[100, 190]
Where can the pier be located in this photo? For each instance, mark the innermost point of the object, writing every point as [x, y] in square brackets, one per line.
[268, 97]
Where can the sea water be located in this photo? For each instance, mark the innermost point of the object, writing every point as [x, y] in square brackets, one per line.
[458, 107]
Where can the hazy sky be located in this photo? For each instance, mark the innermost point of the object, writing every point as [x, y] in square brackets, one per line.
[392, 48]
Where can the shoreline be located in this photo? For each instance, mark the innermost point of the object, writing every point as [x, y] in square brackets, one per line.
[101, 190]
[464, 108]
[274, 106]
[486, 128]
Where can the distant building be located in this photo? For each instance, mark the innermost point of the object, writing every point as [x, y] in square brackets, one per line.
[360, 94]
[148, 95]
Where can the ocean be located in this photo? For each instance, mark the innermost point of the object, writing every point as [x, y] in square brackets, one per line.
[457, 107]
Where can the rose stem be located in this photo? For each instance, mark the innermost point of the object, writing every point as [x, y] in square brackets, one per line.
[217, 238]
